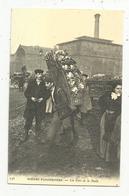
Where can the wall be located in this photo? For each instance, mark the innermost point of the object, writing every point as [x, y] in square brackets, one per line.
[35, 62]
[95, 57]
[32, 61]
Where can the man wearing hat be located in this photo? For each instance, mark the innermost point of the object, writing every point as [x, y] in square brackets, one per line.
[36, 95]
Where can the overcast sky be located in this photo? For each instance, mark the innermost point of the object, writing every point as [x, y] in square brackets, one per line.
[48, 27]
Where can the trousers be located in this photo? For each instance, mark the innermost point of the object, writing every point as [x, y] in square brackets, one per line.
[29, 119]
[56, 125]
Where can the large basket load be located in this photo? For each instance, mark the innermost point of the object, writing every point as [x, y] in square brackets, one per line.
[66, 75]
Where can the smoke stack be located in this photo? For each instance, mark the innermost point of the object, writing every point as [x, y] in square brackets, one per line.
[96, 30]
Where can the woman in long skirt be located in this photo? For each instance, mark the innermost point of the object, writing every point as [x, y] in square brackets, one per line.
[109, 143]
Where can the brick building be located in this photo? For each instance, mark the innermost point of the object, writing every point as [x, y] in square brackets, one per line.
[94, 55]
[30, 56]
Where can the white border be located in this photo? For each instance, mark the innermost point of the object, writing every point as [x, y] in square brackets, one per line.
[20, 190]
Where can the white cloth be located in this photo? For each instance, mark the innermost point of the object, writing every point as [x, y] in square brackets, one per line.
[114, 95]
[50, 101]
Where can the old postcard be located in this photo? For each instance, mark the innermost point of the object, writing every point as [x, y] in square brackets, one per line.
[65, 97]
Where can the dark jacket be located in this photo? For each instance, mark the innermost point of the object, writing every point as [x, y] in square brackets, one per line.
[112, 109]
[36, 91]
[59, 103]
[106, 103]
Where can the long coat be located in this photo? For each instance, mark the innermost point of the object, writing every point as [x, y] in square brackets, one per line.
[109, 127]
[37, 91]
[58, 102]
[86, 104]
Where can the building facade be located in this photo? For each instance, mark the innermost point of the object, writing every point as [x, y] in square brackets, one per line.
[94, 55]
[30, 56]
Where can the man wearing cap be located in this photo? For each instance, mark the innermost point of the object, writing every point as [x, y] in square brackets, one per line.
[36, 95]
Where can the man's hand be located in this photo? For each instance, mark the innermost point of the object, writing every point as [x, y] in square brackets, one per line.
[33, 99]
[40, 99]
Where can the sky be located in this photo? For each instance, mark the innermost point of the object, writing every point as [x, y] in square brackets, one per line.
[48, 27]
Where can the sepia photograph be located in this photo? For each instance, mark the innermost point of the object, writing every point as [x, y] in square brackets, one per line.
[65, 96]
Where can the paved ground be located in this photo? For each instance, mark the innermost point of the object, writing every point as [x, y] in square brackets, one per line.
[62, 159]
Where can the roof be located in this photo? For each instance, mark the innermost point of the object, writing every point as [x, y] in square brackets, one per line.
[33, 49]
[90, 39]
[12, 57]
[93, 39]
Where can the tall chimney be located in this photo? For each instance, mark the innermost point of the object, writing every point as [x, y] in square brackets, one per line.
[96, 30]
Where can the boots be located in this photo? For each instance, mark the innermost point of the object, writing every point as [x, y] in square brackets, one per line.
[26, 136]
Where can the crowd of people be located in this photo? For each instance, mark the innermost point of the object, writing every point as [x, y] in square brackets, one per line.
[42, 97]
